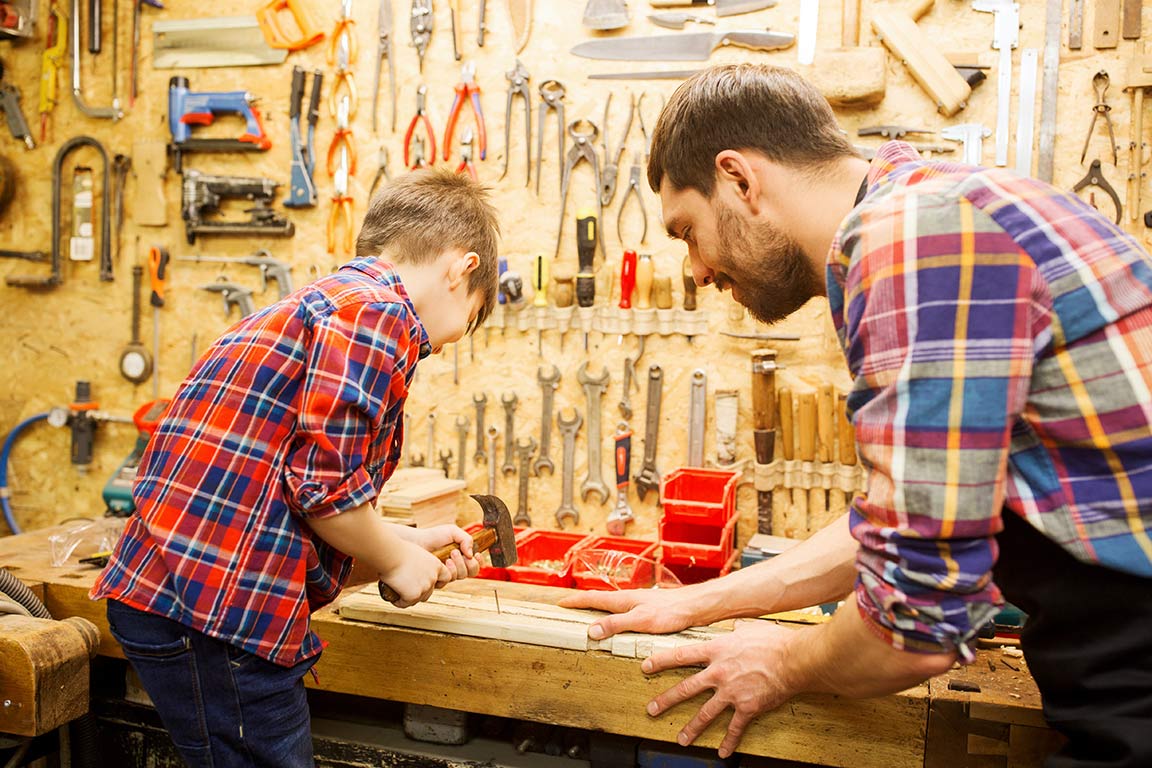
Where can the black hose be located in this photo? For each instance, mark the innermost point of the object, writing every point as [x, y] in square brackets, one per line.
[15, 589]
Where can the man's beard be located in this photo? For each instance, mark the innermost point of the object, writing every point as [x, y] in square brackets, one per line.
[772, 275]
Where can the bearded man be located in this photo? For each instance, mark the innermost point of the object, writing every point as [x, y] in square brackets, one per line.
[999, 336]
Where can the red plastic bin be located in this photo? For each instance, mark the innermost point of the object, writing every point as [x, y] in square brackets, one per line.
[704, 496]
[642, 570]
[487, 570]
[692, 543]
[694, 574]
[545, 557]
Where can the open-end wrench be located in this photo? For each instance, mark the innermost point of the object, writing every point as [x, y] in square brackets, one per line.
[462, 423]
[446, 462]
[493, 436]
[649, 477]
[593, 391]
[625, 403]
[481, 403]
[568, 430]
[525, 447]
[621, 514]
[509, 467]
[696, 418]
[548, 386]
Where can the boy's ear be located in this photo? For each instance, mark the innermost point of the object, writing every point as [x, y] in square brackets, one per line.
[462, 266]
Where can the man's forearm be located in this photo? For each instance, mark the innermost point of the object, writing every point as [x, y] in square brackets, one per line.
[844, 657]
[819, 569]
[362, 534]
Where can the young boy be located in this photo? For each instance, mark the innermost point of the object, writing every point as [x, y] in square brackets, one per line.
[255, 493]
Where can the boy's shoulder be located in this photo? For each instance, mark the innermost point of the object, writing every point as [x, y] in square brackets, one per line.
[363, 281]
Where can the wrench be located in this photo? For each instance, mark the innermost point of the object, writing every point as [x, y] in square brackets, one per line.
[462, 423]
[625, 403]
[696, 419]
[649, 477]
[509, 467]
[568, 430]
[593, 391]
[548, 386]
[493, 434]
[621, 515]
[481, 402]
[525, 447]
[446, 462]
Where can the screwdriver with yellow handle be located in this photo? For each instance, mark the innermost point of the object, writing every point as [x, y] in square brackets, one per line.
[540, 298]
[586, 233]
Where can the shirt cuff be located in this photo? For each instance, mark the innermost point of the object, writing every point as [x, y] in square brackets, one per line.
[312, 499]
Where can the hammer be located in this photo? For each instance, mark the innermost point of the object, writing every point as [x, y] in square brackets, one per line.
[496, 537]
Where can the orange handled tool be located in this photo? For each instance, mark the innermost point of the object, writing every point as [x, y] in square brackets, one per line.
[627, 279]
[301, 33]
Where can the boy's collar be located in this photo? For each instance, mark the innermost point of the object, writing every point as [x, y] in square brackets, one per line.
[384, 273]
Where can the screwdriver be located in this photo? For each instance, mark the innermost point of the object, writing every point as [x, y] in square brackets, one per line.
[586, 252]
[627, 284]
[540, 299]
[563, 293]
[689, 290]
[158, 275]
[645, 271]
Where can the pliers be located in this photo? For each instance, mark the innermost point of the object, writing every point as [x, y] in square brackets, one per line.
[421, 115]
[643, 127]
[633, 189]
[466, 90]
[1100, 82]
[466, 164]
[344, 80]
[518, 78]
[583, 133]
[345, 29]
[381, 171]
[612, 156]
[342, 140]
[341, 213]
[551, 98]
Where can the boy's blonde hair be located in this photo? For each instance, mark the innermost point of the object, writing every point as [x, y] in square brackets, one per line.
[419, 215]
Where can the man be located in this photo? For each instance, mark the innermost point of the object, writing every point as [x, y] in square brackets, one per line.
[999, 333]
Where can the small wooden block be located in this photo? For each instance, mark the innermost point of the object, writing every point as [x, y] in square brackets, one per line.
[1107, 24]
[944, 85]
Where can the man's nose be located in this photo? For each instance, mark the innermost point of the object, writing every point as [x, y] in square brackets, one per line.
[700, 273]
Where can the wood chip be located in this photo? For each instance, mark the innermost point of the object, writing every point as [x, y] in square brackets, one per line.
[1015, 653]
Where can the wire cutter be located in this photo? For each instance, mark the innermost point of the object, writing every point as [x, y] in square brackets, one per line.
[341, 213]
[466, 164]
[466, 90]
[345, 28]
[420, 116]
[551, 98]
[583, 133]
[421, 23]
[384, 51]
[344, 80]
[633, 189]
[612, 156]
[1100, 82]
[518, 78]
[342, 140]
[381, 170]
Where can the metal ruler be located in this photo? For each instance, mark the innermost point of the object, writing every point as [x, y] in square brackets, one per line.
[1075, 24]
[1048, 96]
[1005, 37]
[1026, 113]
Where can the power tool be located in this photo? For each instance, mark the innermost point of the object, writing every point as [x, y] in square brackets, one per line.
[187, 108]
[117, 491]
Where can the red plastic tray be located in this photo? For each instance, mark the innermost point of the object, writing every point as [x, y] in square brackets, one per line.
[694, 574]
[692, 543]
[642, 570]
[706, 496]
[487, 570]
[545, 557]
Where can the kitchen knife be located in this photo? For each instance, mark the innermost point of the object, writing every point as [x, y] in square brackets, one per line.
[693, 46]
[723, 7]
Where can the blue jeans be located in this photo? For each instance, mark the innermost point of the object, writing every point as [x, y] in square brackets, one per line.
[221, 705]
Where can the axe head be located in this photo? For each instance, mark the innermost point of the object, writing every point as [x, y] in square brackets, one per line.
[499, 520]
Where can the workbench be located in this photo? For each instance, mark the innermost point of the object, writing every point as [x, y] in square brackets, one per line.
[987, 714]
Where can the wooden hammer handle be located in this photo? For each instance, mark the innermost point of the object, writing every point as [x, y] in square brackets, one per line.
[482, 541]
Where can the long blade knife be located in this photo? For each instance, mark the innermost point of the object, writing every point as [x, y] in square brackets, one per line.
[723, 7]
[694, 46]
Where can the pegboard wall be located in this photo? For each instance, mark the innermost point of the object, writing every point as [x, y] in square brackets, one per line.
[77, 330]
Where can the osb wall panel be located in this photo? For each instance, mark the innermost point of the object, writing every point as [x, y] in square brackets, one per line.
[76, 331]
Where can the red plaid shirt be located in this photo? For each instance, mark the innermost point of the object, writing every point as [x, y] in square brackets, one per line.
[294, 413]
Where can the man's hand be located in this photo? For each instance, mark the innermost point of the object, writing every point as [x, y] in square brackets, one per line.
[636, 610]
[745, 671]
[460, 565]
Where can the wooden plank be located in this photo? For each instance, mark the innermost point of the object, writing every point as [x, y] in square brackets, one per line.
[599, 691]
[1107, 24]
[900, 35]
[1131, 24]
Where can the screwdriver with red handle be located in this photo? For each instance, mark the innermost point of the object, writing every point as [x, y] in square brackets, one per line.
[627, 279]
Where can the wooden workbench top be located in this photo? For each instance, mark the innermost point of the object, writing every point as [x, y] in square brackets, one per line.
[586, 689]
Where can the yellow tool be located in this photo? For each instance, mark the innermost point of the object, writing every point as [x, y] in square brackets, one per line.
[50, 64]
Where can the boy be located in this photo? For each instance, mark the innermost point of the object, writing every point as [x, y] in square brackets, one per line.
[256, 491]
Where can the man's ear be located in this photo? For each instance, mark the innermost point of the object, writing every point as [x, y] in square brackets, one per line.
[462, 266]
[737, 179]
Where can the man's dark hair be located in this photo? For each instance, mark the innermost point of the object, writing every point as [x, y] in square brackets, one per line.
[771, 110]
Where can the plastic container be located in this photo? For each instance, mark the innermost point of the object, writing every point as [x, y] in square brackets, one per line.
[704, 496]
[615, 573]
[691, 543]
[694, 574]
[487, 570]
[546, 557]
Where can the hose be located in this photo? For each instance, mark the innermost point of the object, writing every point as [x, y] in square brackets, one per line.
[15, 589]
[5, 452]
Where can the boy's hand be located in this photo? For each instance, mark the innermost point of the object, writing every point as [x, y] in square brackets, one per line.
[415, 575]
[462, 564]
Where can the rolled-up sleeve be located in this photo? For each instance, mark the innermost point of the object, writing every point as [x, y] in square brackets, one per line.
[938, 326]
[356, 359]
